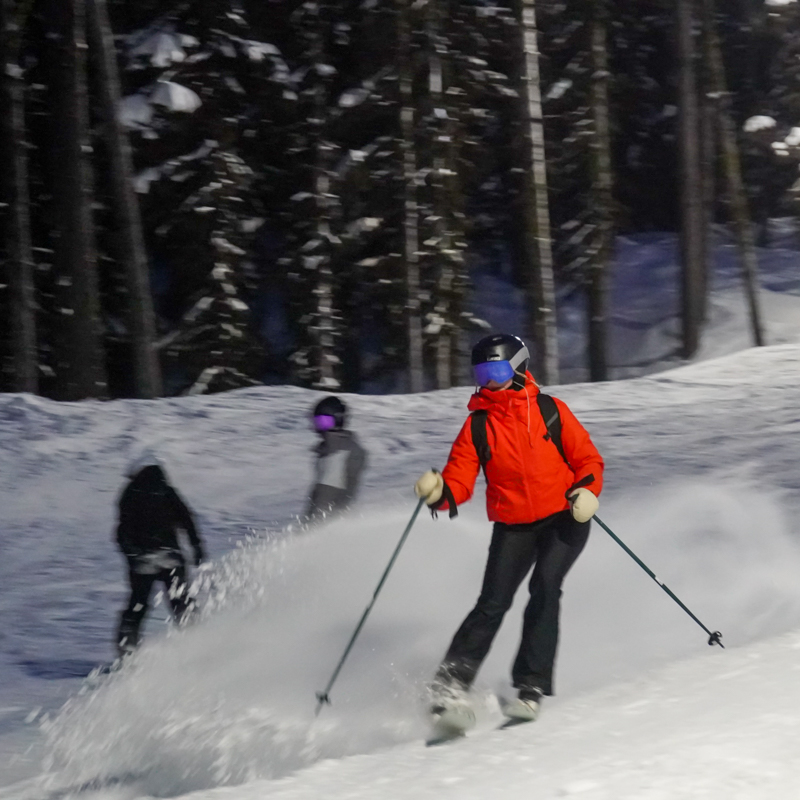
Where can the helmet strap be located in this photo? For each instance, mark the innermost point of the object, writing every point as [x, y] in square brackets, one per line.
[521, 355]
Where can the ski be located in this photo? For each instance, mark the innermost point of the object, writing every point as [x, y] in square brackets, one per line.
[98, 676]
[444, 738]
[512, 722]
[451, 723]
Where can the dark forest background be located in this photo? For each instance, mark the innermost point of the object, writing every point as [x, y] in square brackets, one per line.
[210, 194]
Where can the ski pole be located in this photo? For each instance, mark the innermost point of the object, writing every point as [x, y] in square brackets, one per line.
[713, 638]
[322, 697]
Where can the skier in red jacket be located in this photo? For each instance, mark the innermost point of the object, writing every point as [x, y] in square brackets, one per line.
[540, 502]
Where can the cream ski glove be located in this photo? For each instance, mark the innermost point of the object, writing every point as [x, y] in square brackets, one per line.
[430, 485]
[584, 504]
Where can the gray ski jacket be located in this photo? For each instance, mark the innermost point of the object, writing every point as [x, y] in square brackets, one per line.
[340, 462]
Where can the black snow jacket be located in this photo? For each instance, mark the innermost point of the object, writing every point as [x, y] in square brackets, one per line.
[150, 515]
[340, 462]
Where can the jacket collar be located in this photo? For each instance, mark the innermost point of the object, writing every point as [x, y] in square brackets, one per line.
[333, 439]
[506, 399]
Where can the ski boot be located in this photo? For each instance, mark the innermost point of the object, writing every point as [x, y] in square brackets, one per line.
[526, 707]
[450, 711]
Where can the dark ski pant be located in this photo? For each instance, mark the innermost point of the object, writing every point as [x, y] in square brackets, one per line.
[552, 545]
[174, 580]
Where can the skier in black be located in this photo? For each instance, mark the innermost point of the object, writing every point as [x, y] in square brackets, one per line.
[340, 461]
[150, 514]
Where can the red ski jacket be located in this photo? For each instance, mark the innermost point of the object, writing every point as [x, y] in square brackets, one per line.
[526, 477]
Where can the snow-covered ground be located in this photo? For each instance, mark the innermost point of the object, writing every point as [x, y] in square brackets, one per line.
[701, 481]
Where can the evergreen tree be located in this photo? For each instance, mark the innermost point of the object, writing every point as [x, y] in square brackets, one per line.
[130, 247]
[692, 229]
[771, 146]
[194, 70]
[537, 208]
[17, 246]
[602, 195]
[80, 366]
[214, 346]
[733, 173]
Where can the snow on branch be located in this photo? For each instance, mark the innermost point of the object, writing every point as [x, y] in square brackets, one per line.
[162, 48]
[135, 111]
[760, 122]
[175, 97]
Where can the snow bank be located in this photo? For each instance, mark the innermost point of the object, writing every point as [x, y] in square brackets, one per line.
[701, 482]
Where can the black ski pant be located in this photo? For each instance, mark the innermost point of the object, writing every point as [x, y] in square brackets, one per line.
[177, 594]
[552, 545]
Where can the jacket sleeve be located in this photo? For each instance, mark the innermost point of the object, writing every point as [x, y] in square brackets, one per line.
[355, 466]
[462, 467]
[579, 449]
[184, 519]
[322, 501]
[126, 533]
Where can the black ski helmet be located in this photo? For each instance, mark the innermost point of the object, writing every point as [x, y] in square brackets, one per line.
[331, 406]
[502, 347]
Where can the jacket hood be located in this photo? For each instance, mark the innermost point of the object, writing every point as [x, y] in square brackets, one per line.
[504, 399]
[146, 458]
[149, 478]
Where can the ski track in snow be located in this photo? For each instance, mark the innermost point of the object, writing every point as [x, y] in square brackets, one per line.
[701, 482]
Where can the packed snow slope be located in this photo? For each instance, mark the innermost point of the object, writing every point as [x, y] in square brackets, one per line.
[701, 481]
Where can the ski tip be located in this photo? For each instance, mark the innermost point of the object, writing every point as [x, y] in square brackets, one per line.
[512, 722]
[444, 738]
[106, 668]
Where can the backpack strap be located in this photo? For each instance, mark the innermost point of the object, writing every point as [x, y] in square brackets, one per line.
[552, 421]
[478, 421]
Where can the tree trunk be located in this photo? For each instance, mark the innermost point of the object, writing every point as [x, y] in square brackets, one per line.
[141, 316]
[733, 173]
[537, 238]
[445, 202]
[19, 252]
[691, 185]
[708, 127]
[81, 368]
[439, 206]
[416, 378]
[603, 200]
[327, 360]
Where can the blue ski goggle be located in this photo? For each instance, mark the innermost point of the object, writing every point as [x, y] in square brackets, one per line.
[497, 371]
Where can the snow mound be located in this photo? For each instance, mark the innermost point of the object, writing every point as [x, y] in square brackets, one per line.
[701, 483]
[231, 699]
